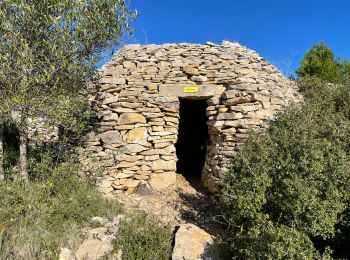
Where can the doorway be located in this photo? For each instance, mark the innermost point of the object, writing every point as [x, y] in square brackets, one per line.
[192, 138]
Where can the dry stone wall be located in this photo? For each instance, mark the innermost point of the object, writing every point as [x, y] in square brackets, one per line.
[137, 103]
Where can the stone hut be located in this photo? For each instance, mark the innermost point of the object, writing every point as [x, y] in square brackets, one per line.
[182, 108]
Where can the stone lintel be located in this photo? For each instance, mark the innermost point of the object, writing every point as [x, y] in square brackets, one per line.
[188, 90]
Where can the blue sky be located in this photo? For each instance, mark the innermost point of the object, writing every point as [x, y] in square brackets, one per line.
[279, 30]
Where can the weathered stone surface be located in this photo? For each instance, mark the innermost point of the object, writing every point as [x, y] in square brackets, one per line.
[65, 254]
[190, 70]
[191, 242]
[229, 116]
[110, 100]
[137, 134]
[163, 165]
[162, 181]
[93, 249]
[180, 91]
[111, 137]
[199, 79]
[135, 148]
[111, 117]
[131, 118]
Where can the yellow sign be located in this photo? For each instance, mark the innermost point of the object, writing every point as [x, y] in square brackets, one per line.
[191, 89]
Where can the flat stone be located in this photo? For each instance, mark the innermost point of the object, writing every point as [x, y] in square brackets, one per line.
[163, 165]
[191, 242]
[135, 148]
[122, 175]
[229, 116]
[137, 134]
[179, 90]
[164, 133]
[110, 100]
[131, 118]
[124, 165]
[111, 117]
[238, 100]
[246, 107]
[244, 86]
[190, 70]
[129, 65]
[162, 181]
[112, 80]
[111, 137]
[93, 249]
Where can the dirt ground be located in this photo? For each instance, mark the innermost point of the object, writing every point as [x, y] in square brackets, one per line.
[185, 202]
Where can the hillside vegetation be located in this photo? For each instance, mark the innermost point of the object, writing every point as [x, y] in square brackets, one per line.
[288, 189]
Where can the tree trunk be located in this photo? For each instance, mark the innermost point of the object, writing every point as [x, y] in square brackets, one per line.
[2, 176]
[23, 150]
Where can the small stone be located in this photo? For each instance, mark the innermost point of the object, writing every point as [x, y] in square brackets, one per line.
[199, 79]
[131, 118]
[135, 148]
[122, 175]
[190, 70]
[110, 100]
[229, 116]
[111, 137]
[129, 65]
[93, 249]
[111, 117]
[137, 134]
[65, 254]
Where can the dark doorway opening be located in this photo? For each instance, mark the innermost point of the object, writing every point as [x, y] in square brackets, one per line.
[192, 138]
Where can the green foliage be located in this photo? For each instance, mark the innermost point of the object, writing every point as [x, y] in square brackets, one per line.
[290, 184]
[143, 238]
[48, 52]
[49, 213]
[320, 62]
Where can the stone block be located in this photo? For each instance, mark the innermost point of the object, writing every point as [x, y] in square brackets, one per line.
[111, 137]
[135, 148]
[131, 118]
[190, 70]
[137, 134]
[163, 165]
[111, 117]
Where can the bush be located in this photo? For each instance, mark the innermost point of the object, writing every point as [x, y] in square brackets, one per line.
[49, 213]
[143, 238]
[289, 186]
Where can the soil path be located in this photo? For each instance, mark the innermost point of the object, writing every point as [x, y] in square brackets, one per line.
[185, 202]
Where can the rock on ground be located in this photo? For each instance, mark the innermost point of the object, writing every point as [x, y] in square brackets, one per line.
[65, 254]
[93, 249]
[193, 243]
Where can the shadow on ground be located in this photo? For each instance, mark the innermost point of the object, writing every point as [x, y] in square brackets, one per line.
[203, 209]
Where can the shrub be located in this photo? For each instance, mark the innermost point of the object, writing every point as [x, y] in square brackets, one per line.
[289, 186]
[49, 213]
[143, 238]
